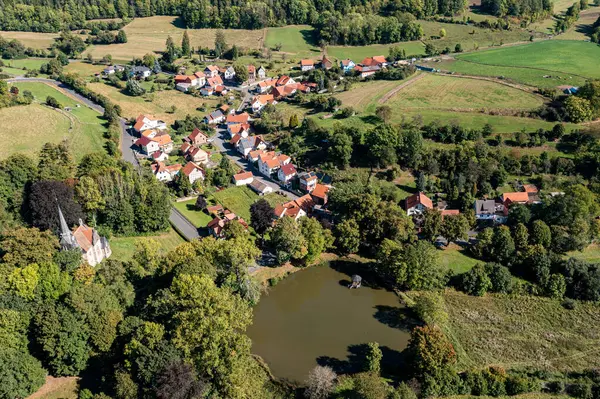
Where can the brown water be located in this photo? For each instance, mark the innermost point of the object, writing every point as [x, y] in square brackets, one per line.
[312, 315]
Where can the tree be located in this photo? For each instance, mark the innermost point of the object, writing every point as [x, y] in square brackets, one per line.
[518, 213]
[540, 234]
[405, 392]
[442, 33]
[383, 141]
[185, 45]
[261, 216]
[44, 200]
[578, 109]
[347, 237]
[241, 73]
[53, 102]
[182, 185]
[503, 246]
[294, 123]
[431, 350]
[458, 48]
[455, 227]
[373, 358]
[133, 88]
[320, 383]
[288, 241]
[476, 281]
[521, 237]
[556, 286]
[23, 281]
[172, 52]
[178, 381]
[88, 194]
[340, 149]
[220, 43]
[316, 237]
[384, 113]
[500, 277]
[369, 386]
[201, 203]
[23, 246]
[125, 387]
[433, 224]
[20, 374]
[55, 162]
[121, 36]
[413, 146]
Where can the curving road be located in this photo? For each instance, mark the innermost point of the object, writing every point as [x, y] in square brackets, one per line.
[179, 222]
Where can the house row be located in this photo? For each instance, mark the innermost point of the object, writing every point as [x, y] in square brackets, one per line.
[167, 173]
[308, 64]
[155, 143]
[370, 65]
[305, 205]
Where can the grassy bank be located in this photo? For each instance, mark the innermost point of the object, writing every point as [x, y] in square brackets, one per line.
[123, 248]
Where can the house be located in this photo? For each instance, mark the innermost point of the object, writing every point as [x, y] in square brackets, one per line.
[111, 69]
[251, 73]
[251, 143]
[261, 73]
[240, 129]
[269, 162]
[307, 65]
[325, 63]
[229, 73]
[200, 78]
[489, 210]
[226, 110]
[207, 91]
[449, 212]
[235, 139]
[260, 188]
[220, 90]
[265, 85]
[159, 156]
[214, 117]
[184, 83]
[193, 172]
[319, 194]
[286, 173]
[216, 227]
[243, 179]
[197, 138]
[366, 71]
[164, 173]
[141, 72]
[260, 101]
[290, 209]
[516, 197]
[211, 71]
[147, 145]
[530, 188]
[244, 117]
[195, 154]
[347, 65]
[165, 143]
[94, 248]
[417, 203]
[144, 122]
[378, 60]
[280, 92]
[284, 80]
[214, 81]
[307, 181]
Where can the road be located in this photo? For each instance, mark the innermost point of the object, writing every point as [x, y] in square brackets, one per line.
[179, 222]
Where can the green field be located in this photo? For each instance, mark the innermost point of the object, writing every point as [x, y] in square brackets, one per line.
[521, 331]
[123, 248]
[28, 63]
[568, 62]
[82, 127]
[358, 53]
[590, 254]
[295, 39]
[456, 259]
[187, 209]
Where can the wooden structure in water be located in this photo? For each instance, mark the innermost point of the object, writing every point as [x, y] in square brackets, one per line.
[356, 281]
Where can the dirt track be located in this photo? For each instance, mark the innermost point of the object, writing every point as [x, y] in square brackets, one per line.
[395, 90]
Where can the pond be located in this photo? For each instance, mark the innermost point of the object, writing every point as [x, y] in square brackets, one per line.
[311, 317]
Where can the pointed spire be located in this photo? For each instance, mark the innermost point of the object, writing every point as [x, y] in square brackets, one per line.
[64, 227]
[67, 240]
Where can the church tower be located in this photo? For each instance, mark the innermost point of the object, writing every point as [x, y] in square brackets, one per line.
[67, 239]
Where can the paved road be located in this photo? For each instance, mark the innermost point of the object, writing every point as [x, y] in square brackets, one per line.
[181, 224]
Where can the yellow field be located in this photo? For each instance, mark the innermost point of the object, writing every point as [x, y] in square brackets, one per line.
[31, 39]
[163, 100]
[145, 35]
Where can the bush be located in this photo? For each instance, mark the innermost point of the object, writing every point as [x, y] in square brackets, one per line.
[53, 102]
[569, 304]
[555, 387]
[580, 390]
[518, 385]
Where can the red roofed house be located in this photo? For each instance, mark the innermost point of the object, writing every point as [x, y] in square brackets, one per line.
[307, 181]
[378, 60]
[517, 197]
[242, 179]
[307, 65]
[265, 85]
[164, 173]
[269, 163]
[530, 188]
[284, 91]
[211, 71]
[241, 129]
[284, 80]
[290, 209]
[239, 118]
[197, 138]
[251, 73]
[319, 194]
[450, 212]
[193, 172]
[144, 122]
[148, 146]
[286, 173]
[260, 101]
[417, 203]
[325, 63]
[195, 154]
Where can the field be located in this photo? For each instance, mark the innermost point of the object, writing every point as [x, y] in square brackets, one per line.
[57, 388]
[583, 26]
[358, 53]
[571, 61]
[123, 248]
[158, 107]
[28, 63]
[31, 39]
[146, 35]
[22, 132]
[197, 218]
[522, 331]
[84, 68]
[294, 39]
[456, 259]
[590, 254]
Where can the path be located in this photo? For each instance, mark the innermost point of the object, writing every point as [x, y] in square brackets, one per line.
[396, 89]
[180, 223]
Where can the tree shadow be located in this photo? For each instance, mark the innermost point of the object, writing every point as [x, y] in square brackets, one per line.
[310, 38]
[363, 269]
[179, 23]
[401, 318]
[406, 188]
[370, 119]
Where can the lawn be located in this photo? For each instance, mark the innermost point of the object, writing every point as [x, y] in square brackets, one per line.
[28, 63]
[123, 248]
[456, 259]
[583, 26]
[84, 68]
[565, 58]
[522, 331]
[31, 39]
[358, 53]
[294, 39]
[57, 388]
[187, 209]
[147, 35]
[27, 128]
[590, 254]
[163, 100]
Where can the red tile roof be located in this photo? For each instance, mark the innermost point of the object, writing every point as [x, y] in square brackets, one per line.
[288, 169]
[418, 198]
[189, 168]
[243, 176]
[516, 197]
[240, 118]
[320, 191]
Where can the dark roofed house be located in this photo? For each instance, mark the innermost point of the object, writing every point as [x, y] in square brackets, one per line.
[259, 187]
[489, 209]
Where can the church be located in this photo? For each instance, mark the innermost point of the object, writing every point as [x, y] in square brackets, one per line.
[94, 248]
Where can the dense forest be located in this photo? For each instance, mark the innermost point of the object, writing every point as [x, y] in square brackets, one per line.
[369, 22]
[534, 9]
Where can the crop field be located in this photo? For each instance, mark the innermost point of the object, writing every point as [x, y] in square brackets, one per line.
[158, 107]
[24, 132]
[567, 61]
[31, 39]
[522, 331]
[123, 248]
[146, 35]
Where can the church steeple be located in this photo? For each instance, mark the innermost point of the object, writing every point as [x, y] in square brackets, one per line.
[67, 240]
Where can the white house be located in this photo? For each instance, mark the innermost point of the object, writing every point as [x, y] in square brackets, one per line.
[347, 65]
[417, 203]
[261, 73]
[164, 173]
[307, 65]
[141, 72]
[307, 181]
[269, 163]
[265, 85]
[238, 128]
[229, 73]
[144, 122]
[147, 145]
[211, 71]
[243, 179]
[193, 172]
[260, 188]
[214, 117]
[260, 101]
[286, 173]
[248, 144]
